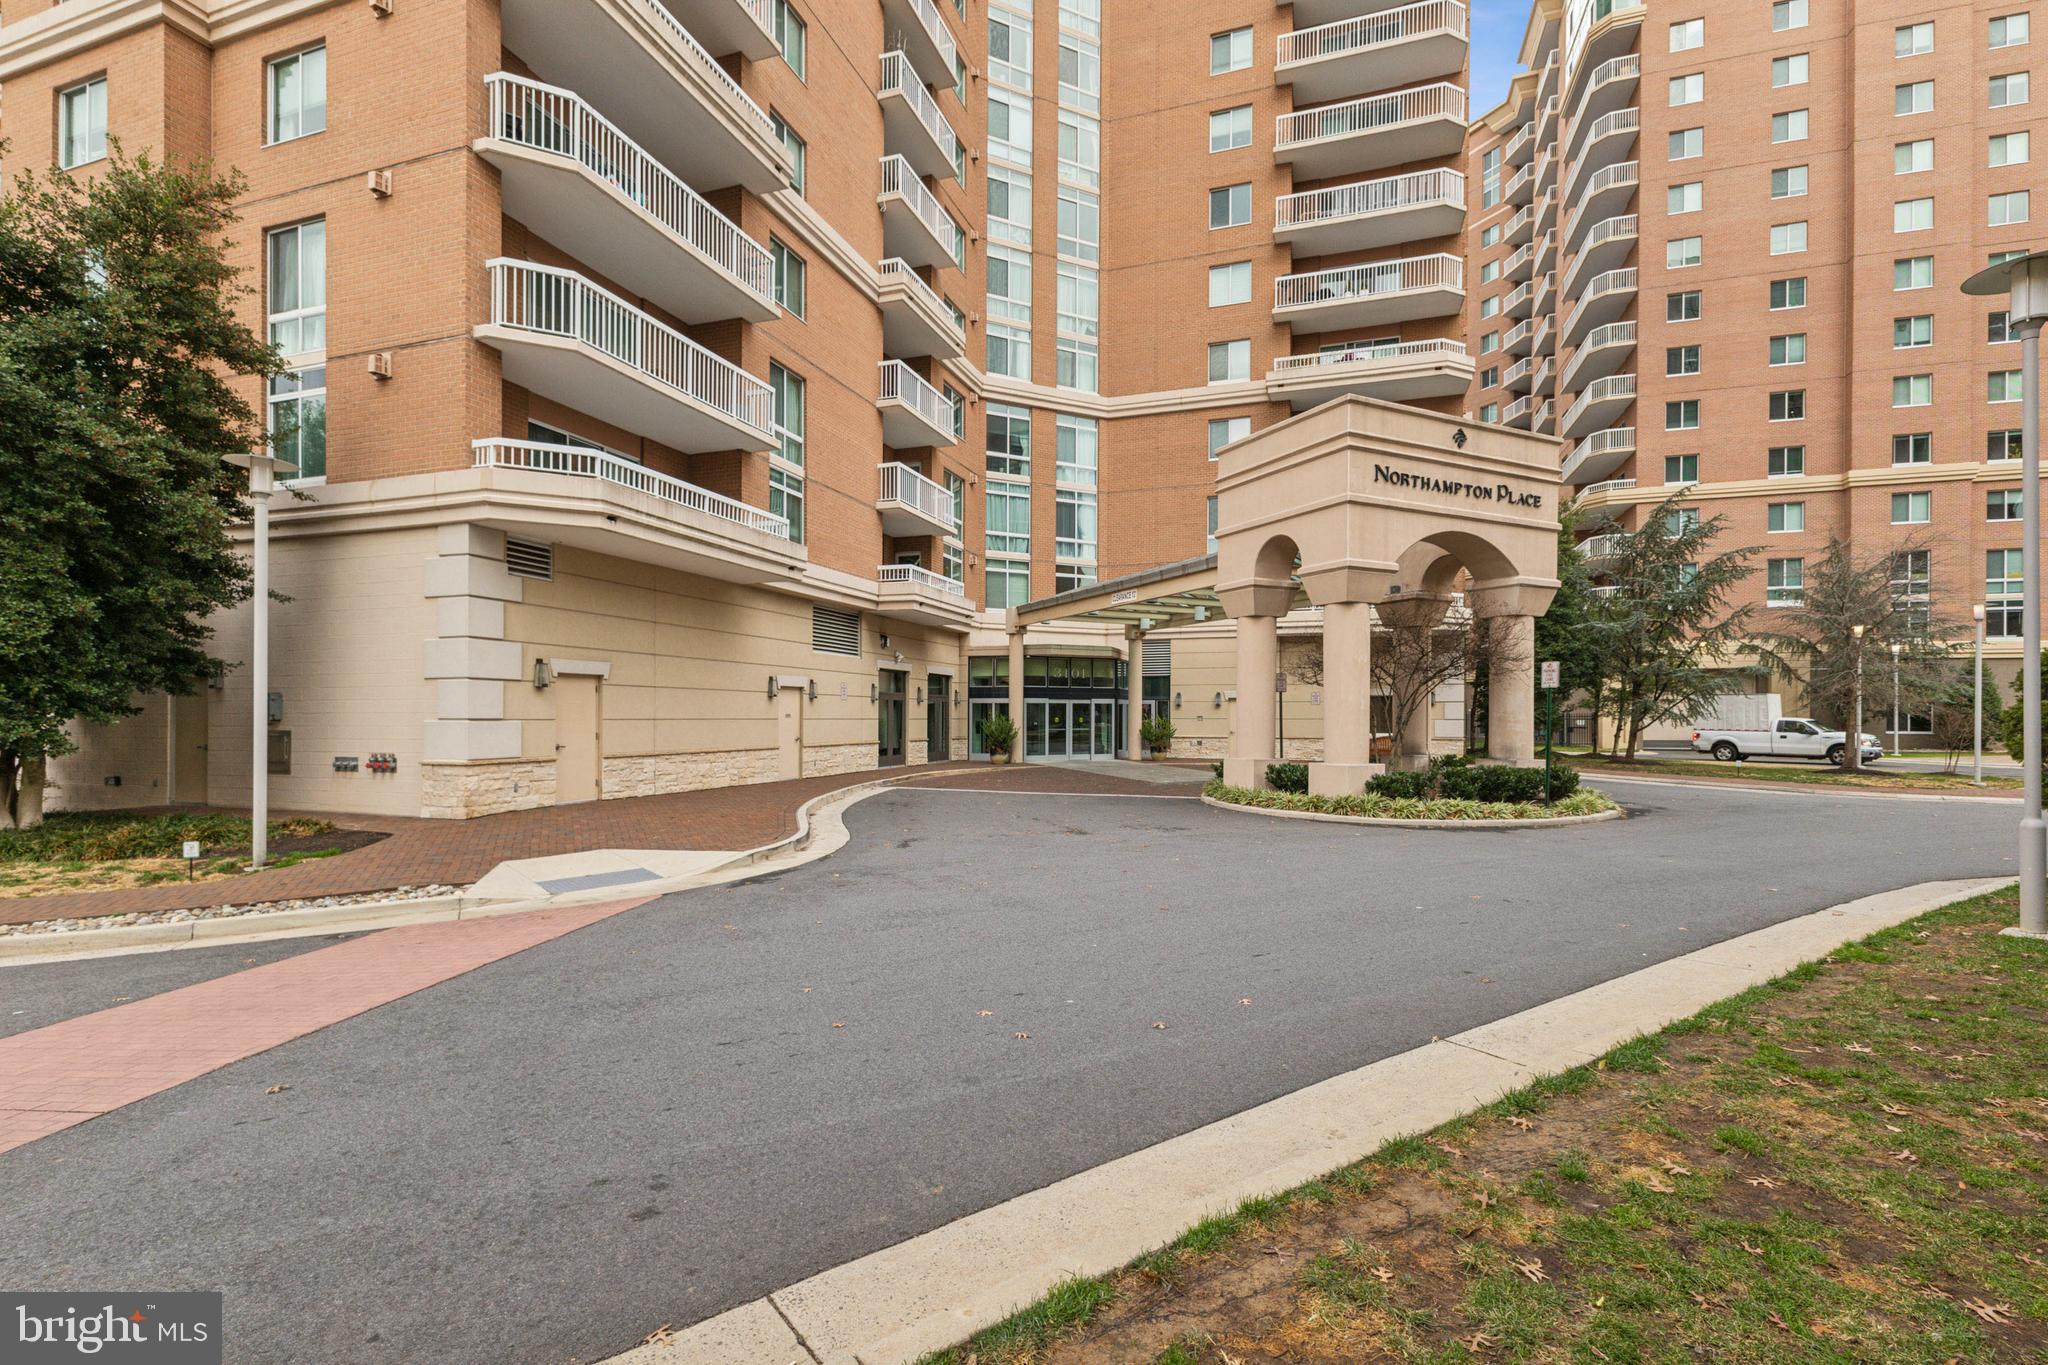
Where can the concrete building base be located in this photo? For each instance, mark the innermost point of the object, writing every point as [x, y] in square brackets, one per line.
[1246, 772]
[1341, 779]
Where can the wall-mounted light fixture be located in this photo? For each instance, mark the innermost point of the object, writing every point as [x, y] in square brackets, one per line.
[542, 674]
[920, 696]
[1176, 701]
[812, 690]
[874, 691]
[774, 686]
[1219, 700]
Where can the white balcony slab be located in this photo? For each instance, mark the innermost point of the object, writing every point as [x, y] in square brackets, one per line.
[1402, 372]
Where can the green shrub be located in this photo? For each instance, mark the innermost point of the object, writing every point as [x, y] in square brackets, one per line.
[1376, 806]
[1455, 778]
[1401, 786]
[1157, 732]
[998, 733]
[1287, 777]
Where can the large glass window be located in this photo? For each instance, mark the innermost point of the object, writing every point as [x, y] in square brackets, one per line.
[2003, 570]
[790, 35]
[1785, 583]
[82, 123]
[1009, 518]
[1080, 149]
[1077, 451]
[1009, 440]
[789, 276]
[1009, 205]
[1229, 361]
[1230, 206]
[295, 415]
[1224, 430]
[298, 288]
[1230, 51]
[298, 94]
[1074, 526]
[1230, 129]
[786, 465]
[1080, 224]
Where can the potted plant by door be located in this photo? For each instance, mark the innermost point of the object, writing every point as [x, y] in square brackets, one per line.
[1157, 733]
[998, 733]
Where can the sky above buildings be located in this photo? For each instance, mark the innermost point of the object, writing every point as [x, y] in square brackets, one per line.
[1496, 28]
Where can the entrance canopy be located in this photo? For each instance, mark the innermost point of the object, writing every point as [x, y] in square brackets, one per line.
[1170, 595]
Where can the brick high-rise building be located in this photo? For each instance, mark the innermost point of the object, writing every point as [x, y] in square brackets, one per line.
[1717, 250]
[680, 389]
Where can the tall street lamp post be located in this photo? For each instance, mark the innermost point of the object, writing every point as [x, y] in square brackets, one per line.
[1855, 746]
[1977, 771]
[2024, 280]
[263, 469]
[1895, 701]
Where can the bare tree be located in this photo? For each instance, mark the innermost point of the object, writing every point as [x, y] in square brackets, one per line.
[1414, 654]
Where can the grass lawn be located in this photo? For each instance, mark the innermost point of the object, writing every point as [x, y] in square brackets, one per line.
[1813, 775]
[105, 850]
[1849, 1164]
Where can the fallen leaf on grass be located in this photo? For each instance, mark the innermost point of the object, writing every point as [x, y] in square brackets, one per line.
[1856, 1047]
[1779, 1322]
[1483, 1200]
[1762, 1182]
[1905, 1154]
[1383, 1274]
[1894, 1109]
[1999, 1313]
[1673, 1168]
[1519, 1122]
[1532, 1271]
[1752, 1250]
[1478, 1341]
[1447, 1149]
[1656, 1186]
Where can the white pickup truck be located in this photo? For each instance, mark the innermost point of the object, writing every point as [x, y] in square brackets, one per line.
[1791, 737]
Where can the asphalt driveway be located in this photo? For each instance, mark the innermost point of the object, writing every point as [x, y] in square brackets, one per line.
[690, 1104]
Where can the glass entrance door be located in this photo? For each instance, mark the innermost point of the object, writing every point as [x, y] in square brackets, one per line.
[938, 727]
[889, 721]
[1105, 729]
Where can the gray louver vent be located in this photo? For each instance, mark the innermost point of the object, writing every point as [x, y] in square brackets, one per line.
[529, 559]
[1157, 658]
[834, 631]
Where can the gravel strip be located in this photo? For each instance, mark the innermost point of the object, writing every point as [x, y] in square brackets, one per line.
[68, 926]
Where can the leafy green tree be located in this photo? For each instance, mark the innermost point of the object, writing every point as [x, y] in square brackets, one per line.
[1664, 637]
[2011, 729]
[1565, 633]
[119, 354]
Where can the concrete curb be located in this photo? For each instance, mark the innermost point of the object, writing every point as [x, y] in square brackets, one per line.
[1553, 822]
[938, 1288]
[1792, 789]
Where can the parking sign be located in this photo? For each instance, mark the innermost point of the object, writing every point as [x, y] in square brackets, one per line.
[1552, 670]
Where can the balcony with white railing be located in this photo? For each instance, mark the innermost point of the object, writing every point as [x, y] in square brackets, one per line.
[1608, 29]
[1518, 413]
[1599, 455]
[1607, 194]
[1607, 490]
[1603, 549]
[1515, 378]
[1355, 56]
[1539, 380]
[912, 125]
[566, 172]
[1520, 187]
[1521, 147]
[1518, 302]
[1542, 337]
[566, 338]
[1399, 371]
[1518, 265]
[911, 592]
[1612, 85]
[1371, 295]
[1546, 171]
[1606, 298]
[1313, 13]
[1372, 213]
[916, 28]
[729, 26]
[1515, 340]
[915, 226]
[1545, 421]
[1546, 119]
[914, 414]
[1546, 293]
[1610, 140]
[652, 77]
[1605, 350]
[1609, 245]
[1379, 130]
[915, 319]
[1546, 251]
[913, 506]
[1520, 228]
[1599, 404]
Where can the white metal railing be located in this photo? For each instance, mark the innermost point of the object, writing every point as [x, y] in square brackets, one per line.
[1611, 334]
[1539, 382]
[1541, 331]
[1520, 219]
[1542, 420]
[1607, 486]
[1517, 144]
[920, 576]
[901, 483]
[1371, 114]
[899, 177]
[1621, 174]
[1614, 387]
[1514, 336]
[1369, 196]
[1516, 259]
[584, 462]
[1515, 411]
[935, 27]
[1604, 590]
[546, 299]
[1514, 299]
[1614, 440]
[1620, 227]
[1627, 67]
[547, 119]
[1627, 119]
[1606, 546]
[1440, 271]
[1515, 373]
[906, 386]
[690, 50]
[1391, 350]
[1546, 286]
[1621, 281]
[896, 268]
[1346, 37]
[1512, 187]
[899, 77]
[1546, 114]
[1546, 245]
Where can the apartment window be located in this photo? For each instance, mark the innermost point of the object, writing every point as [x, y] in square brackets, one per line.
[1913, 447]
[1688, 89]
[1789, 349]
[1688, 34]
[2002, 504]
[792, 144]
[1230, 129]
[1790, 70]
[1076, 450]
[1230, 206]
[1080, 149]
[1489, 343]
[2001, 257]
[1212, 524]
[1787, 14]
[1682, 253]
[1911, 40]
[1785, 583]
[1909, 332]
[1490, 236]
[2002, 386]
[2008, 208]
[1913, 215]
[1081, 16]
[1489, 307]
[1229, 361]
[2002, 445]
[82, 123]
[1076, 365]
[2008, 30]
[1489, 412]
[1781, 517]
[958, 405]
[1911, 157]
[787, 269]
[1077, 299]
[1009, 350]
[1788, 293]
[1009, 49]
[1786, 462]
[1008, 582]
[1074, 530]
[1008, 448]
[1490, 272]
[1009, 126]
[1681, 469]
[1788, 238]
[1913, 272]
[1788, 405]
[297, 94]
[1009, 284]
[2009, 149]
[1489, 378]
[1912, 509]
[1680, 361]
[1913, 97]
[1912, 390]
[2003, 577]
[1682, 414]
[295, 416]
[1687, 198]
[1788, 182]
[1080, 224]
[789, 32]
[1686, 143]
[1998, 328]
[1230, 51]
[1230, 284]
[1682, 306]
[786, 463]
[1224, 430]
[2008, 90]
[1009, 204]
[1081, 76]
[1009, 519]
[297, 289]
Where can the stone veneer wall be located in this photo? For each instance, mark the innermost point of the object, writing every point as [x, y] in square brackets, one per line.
[829, 759]
[660, 774]
[918, 752]
[462, 791]
[960, 749]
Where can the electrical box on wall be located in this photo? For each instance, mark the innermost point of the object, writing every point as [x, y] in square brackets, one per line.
[281, 751]
[276, 703]
[382, 763]
[346, 764]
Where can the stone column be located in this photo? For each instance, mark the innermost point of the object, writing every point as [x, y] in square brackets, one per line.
[1511, 693]
[1134, 644]
[1347, 702]
[1017, 695]
[1251, 737]
[1411, 745]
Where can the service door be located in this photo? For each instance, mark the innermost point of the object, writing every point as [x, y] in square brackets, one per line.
[579, 728]
[188, 735]
[938, 721]
[789, 720]
[890, 718]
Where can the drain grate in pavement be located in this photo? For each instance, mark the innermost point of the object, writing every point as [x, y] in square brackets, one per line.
[594, 880]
